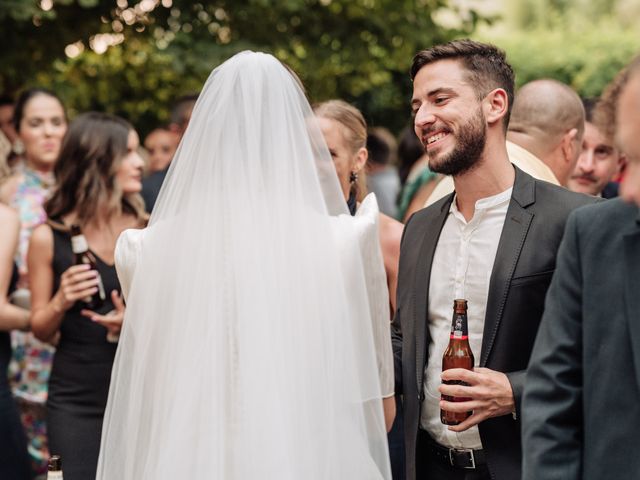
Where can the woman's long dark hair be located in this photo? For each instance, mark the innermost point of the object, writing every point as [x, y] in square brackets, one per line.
[90, 155]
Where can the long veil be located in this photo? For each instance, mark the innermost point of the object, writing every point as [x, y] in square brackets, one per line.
[247, 349]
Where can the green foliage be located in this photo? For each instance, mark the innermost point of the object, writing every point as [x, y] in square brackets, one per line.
[359, 50]
[587, 59]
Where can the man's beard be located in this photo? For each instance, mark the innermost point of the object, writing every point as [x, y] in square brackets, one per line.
[471, 138]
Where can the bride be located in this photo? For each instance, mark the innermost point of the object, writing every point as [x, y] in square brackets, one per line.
[256, 338]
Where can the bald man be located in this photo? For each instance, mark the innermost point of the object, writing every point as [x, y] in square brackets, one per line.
[544, 136]
[581, 407]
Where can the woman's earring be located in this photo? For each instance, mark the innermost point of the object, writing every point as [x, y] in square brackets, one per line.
[353, 177]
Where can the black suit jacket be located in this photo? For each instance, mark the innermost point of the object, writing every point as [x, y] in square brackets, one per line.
[525, 261]
[151, 188]
[581, 417]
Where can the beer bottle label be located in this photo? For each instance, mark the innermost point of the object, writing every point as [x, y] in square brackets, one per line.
[79, 244]
[54, 476]
[458, 329]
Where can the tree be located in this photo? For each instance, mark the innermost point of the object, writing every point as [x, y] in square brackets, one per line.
[582, 43]
[359, 50]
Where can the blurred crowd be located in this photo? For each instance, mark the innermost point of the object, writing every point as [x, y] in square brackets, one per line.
[94, 172]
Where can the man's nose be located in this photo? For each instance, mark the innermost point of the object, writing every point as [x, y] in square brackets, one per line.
[424, 117]
[585, 160]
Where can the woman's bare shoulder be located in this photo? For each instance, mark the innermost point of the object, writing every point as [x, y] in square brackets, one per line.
[42, 236]
[8, 216]
[390, 232]
[9, 187]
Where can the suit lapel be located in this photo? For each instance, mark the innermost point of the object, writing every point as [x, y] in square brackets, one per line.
[421, 292]
[514, 233]
[632, 291]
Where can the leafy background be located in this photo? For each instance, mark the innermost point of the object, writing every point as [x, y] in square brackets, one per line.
[359, 50]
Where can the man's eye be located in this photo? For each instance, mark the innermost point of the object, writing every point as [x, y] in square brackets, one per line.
[439, 100]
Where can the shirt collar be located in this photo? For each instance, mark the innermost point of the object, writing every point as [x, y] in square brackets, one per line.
[487, 202]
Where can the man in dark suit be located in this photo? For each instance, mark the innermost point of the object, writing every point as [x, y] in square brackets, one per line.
[581, 408]
[493, 241]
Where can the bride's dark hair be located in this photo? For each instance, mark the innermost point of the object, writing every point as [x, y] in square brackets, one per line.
[90, 155]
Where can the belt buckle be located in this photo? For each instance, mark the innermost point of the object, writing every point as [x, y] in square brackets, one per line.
[466, 451]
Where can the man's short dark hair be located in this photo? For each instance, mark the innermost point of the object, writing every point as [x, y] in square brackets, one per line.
[486, 65]
[381, 146]
[181, 108]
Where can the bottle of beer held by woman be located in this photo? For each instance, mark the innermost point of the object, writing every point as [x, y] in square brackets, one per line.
[82, 255]
[457, 355]
[54, 469]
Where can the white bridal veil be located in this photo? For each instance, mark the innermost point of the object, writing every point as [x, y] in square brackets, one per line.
[248, 349]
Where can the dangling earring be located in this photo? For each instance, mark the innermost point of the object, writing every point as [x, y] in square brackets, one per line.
[353, 177]
[18, 147]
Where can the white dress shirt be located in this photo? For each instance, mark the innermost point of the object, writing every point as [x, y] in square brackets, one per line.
[461, 268]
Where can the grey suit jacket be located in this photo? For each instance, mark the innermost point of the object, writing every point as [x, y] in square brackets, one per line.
[521, 274]
[581, 413]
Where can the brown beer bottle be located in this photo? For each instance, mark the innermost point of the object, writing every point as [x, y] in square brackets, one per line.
[457, 355]
[54, 469]
[82, 255]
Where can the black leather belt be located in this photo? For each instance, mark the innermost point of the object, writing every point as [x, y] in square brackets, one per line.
[456, 457]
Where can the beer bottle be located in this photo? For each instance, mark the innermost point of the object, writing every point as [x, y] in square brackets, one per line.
[82, 255]
[457, 355]
[54, 469]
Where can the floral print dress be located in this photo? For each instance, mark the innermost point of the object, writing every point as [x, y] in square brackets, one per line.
[31, 359]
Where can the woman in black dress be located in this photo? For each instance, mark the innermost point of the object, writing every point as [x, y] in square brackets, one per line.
[14, 461]
[99, 179]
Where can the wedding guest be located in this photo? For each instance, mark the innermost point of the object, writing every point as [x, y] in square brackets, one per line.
[6, 119]
[492, 242]
[582, 395]
[40, 120]
[14, 460]
[161, 144]
[345, 132]
[600, 160]
[382, 175]
[180, 116]
[99, 175]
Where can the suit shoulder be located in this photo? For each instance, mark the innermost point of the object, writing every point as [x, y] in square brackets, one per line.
[605, 214]
[562, 198]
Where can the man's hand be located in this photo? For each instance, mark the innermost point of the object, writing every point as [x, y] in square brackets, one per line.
[489, 393]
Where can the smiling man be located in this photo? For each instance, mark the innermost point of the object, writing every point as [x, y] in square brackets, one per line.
[493, 242]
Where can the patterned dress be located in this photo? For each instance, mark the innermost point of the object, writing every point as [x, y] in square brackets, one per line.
[31, 360]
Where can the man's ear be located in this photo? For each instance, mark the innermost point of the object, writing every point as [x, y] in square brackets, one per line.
[570, 146]
[622, 161]
[496, 105]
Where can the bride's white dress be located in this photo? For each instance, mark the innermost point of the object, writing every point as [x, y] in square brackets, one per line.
[256, 339]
